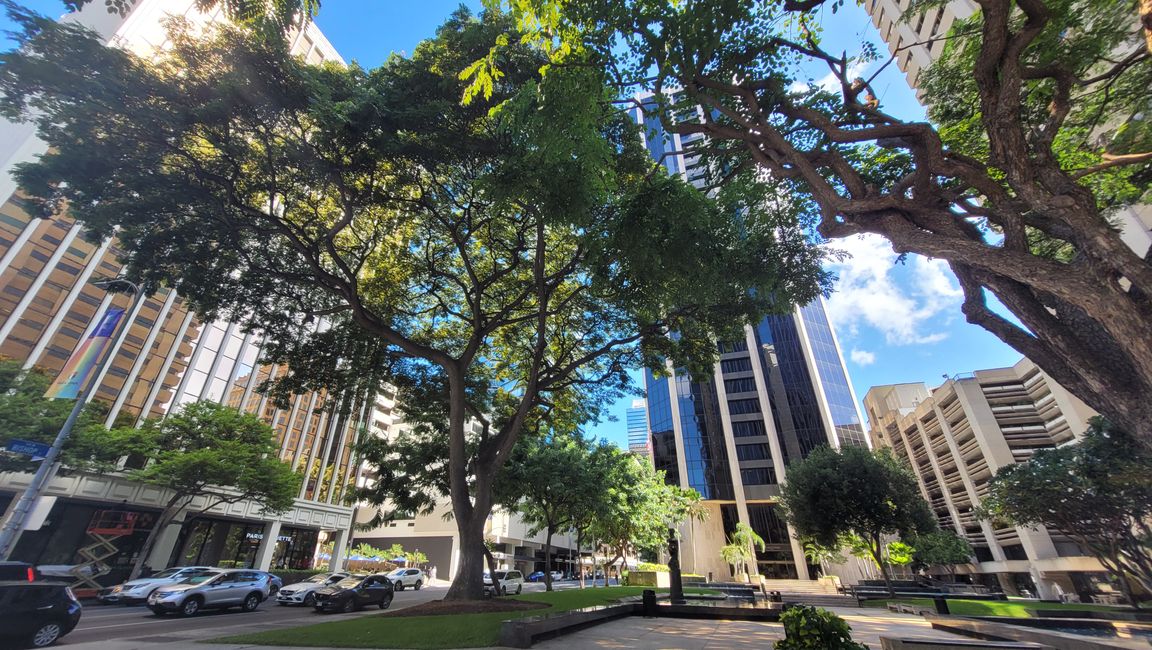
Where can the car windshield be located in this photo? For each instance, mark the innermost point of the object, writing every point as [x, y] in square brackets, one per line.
[166, 573]
[348, 583]
[200, 578]
[318, 578]
[397, 572]
[500, 575]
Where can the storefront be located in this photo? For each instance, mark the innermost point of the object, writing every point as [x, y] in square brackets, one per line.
[227, 543]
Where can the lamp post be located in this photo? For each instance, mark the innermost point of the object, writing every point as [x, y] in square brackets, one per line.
[14, 526]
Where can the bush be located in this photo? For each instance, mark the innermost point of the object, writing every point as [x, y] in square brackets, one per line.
[651, 566]
[809, 628]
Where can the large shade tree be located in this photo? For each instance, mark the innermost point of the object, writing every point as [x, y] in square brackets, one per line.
[1097, 492]
[1039, 136]
[507, 252]
[854, 492]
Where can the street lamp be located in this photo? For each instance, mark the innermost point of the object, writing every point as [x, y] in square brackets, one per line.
[47, 470]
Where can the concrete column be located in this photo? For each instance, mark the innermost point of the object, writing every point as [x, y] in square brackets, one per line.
[339, 542]
[267, 546]
[66, 305]
[161, 555]
[18, 245]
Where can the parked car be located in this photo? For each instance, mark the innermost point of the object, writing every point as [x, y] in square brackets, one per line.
[221, 589]
[20, 571]
[304, 593]
[535, 576]
[36, 614]
[272, 585]
[138, 590]
[509, 581]
[557, 575]
[402, 578]
[355, 592]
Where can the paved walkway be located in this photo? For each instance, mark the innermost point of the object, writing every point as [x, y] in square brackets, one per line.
[868, 625]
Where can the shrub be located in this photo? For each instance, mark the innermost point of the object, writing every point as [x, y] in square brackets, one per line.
[809, 628]
[651, 566]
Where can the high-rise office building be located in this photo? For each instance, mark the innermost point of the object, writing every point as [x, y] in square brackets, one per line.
[957, 436]
[164, 358]
[637, 421]
[775, 395]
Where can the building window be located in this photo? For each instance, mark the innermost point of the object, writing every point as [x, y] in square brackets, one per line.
[758, 476]
[748, 429]
[736, 365]
[742, 385]
[726, 347]
[744, 406]
[755, 451]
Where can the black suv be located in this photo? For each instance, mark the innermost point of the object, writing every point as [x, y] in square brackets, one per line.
[36, 614]
[20, 571]
[354, 592]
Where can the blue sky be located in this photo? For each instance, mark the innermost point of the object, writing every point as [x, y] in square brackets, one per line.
[896, 322]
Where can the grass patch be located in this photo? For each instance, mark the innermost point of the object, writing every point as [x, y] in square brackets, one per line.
[419, 632]
[1014, 609]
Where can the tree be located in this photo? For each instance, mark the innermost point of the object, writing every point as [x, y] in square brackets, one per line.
[209, 452]
[432, 236]
[942, 548]
[854, 492]
[749, 540]
[1040, 136]
[550, 480]
[1097, 492]
[821, 555]
[27, 415]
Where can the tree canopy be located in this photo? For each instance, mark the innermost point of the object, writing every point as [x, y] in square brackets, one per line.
[942, 548]
[1039, 141]
[510, 253]
[833, 494]
[1097, 492]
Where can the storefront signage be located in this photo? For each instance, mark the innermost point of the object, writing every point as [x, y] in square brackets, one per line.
[259, 536]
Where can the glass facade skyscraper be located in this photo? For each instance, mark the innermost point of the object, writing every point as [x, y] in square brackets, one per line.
[774, 396]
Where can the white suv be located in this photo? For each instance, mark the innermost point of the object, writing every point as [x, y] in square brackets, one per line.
[510, 581]
[402, 578]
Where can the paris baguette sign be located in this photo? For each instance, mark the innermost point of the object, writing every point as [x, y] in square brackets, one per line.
[37, 450]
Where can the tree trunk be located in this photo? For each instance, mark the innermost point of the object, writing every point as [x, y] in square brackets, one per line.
[877, 551]
[580, 556]
[166, 516]
[468, 583]
[488, 557]
[548, 560]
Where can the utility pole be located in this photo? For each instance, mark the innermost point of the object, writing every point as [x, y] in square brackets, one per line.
[14, 526]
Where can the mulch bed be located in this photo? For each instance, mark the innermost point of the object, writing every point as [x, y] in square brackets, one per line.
[441, 607]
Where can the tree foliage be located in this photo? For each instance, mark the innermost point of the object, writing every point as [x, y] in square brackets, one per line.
[205, 452]
[1097, 492]
[942, 548]
[833, 494]
[1040, 136]
[25, 414]
[509, 254]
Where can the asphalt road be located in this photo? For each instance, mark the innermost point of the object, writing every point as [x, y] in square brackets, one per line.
[136, 623]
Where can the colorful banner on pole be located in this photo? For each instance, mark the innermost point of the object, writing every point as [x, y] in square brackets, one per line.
[76, 373]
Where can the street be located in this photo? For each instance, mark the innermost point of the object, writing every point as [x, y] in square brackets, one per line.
[135, 626]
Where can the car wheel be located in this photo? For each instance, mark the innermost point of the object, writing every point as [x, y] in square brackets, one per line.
[399, 585]
[47, 634]
[250, 603]
[386, 602]
[190, 606]
[310, 600]
[349, 606]
[418, 585]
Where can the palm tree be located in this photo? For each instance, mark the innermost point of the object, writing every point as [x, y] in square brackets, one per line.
[747, 539]
[735, 555]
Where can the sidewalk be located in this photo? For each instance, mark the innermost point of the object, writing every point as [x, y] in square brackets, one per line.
[868, 625]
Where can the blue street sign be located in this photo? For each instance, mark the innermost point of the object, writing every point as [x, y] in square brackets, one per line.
[37, 450]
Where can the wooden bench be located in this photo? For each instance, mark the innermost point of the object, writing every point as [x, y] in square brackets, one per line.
[523, 632]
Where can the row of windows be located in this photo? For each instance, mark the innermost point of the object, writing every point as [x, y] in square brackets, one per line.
[744, 406]
[748, 429]
[755, 451]
[742, 385]
[742, 364]
[758, 476]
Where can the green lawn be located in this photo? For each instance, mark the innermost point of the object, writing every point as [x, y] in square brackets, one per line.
[1016, 609]
[454, 631]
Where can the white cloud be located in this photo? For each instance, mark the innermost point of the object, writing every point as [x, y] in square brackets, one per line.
[830, 82]
[909, 305]
[862, 357]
